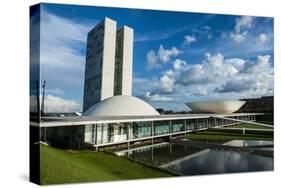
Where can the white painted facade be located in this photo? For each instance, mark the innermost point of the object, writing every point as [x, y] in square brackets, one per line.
[107, 77]
[218, 107]
[121, 105]
[123, 61]
[108, 70]
[100, 63]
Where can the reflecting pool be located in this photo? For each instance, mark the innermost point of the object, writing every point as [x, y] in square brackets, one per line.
[187, 160]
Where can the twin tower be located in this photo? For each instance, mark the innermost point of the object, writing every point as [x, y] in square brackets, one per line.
[109, 57]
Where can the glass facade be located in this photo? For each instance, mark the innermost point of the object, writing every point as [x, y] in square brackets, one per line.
[191, 124]
[142, 129]
[178, 126]
[119, 132]
[161, 127]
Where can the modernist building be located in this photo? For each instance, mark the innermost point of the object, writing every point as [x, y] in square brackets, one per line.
[111, 115]
[108, 69]
[126, 119]
[123, 61]
[99, 131]
[217, 107]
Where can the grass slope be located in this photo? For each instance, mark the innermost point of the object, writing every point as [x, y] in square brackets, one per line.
[216, 135]
[250, 126]
[61, 166]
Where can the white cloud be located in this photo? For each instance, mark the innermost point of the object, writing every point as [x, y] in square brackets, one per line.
[212, 69]
[61, 39]
[142, 85]
[243, 22]
[155, 97]
[178, 64]
[262, 63]
[239, 37]
[236, 63]
[188, 39]
[56, 104]
[154, 59]
[165, 54]
[167, 83]
[218, 76]
[62, 52]
[263, 37]
[56, 91]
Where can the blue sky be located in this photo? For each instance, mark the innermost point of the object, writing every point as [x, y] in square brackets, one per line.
[178, 56]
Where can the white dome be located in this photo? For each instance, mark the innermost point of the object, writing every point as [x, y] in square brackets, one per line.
[121, 105]
[219, 107]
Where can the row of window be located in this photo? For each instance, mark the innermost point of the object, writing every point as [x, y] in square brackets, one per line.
[145, 129]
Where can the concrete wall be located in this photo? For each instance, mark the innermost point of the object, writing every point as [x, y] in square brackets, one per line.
[123, 61]
[100, 62]
[108, 69]
[107, 81]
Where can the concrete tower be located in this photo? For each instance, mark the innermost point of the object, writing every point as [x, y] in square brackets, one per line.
[100, 62]
[108, 70]
[123, 61]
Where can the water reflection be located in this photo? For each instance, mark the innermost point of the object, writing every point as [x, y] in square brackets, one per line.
[194, 161]
[245, 143]
[213, 162]
[159, 154]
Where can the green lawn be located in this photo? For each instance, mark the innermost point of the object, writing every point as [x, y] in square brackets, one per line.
[217, 135]
[251, 126]
[61, 166]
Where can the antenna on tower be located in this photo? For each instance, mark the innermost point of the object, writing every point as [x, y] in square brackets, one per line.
[43, 97]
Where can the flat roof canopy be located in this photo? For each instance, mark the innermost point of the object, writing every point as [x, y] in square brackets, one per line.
[84, 120]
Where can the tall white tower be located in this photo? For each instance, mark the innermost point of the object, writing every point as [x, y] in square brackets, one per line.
[109, 59]
[100, 62]
[123, 61]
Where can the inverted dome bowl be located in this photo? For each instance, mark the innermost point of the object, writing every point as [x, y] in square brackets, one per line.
[218, 107]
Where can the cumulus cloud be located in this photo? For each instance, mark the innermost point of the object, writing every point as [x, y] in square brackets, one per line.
[215, 77]
[55, 104]
[155, 97]
[165, 54]
[62, 52]
[239, 37]
[179, 64]
[188, 39]
[212, 69]
[142, 85]
[61, 39]
[167, 83]
[263, 37]
[154, 59]
[242, 24]
[218, 76]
